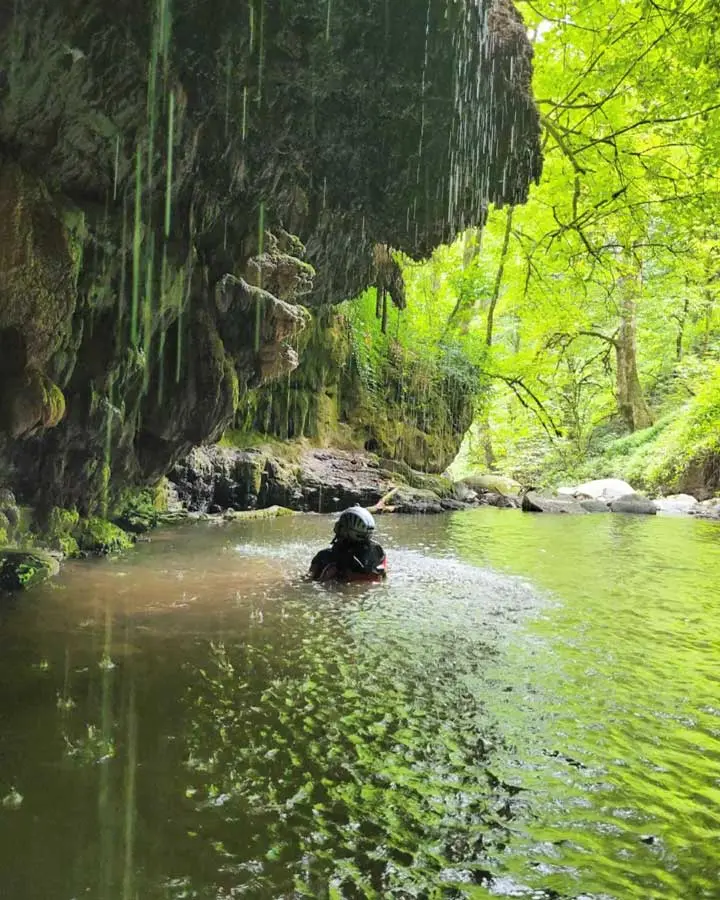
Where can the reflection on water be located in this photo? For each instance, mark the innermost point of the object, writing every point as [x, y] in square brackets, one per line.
[529, 707]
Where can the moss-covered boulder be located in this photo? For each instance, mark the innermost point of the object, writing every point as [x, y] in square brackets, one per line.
[497, 484]
[98, 536]
[271, 512]
[23, 569]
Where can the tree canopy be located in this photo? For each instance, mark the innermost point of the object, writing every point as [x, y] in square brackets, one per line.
[592, 311]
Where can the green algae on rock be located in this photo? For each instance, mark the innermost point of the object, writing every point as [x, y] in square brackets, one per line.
[97, 536]
[23, 569]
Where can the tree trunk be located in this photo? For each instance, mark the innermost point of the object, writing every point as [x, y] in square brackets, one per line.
[489, 329]
[630, 399]
[499, 277]
[682, 322]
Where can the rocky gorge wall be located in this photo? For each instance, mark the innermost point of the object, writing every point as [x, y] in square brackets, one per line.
[394, 404]
[179, 184]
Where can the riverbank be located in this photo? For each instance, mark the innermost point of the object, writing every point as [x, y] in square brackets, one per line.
[223, 483]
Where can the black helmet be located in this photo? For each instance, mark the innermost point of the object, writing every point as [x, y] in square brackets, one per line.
[355, 525]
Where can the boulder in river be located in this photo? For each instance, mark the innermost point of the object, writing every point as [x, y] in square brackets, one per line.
[676, 505]
[532, 501]
[607, 489]
[707, 509]
[634, 504]
[497, 484]
[595, 506]
[23, 569]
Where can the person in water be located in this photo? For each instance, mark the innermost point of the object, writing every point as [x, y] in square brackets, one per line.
[353, 555]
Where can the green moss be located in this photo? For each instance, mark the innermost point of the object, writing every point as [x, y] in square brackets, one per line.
[96, 535]
[3, 537]
[77, 234]
[23, 569]
[271, 512]
[137, 510]
[54, 404]
[59, 531]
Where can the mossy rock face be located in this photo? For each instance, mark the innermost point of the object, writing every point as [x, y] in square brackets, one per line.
[58, 532]
[37, 273]
[9, 516]
[497, 484]
[438, 484]
[98, 536]
[23, 569]
[137, 512]
[272, 512]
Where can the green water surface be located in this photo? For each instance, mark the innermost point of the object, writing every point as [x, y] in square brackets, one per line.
[529, 707]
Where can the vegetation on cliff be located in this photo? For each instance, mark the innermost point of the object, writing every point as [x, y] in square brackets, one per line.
[597, 302]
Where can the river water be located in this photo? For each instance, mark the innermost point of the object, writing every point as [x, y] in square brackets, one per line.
[529, 707]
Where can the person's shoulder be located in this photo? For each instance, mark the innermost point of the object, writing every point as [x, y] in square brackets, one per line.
[322, 556]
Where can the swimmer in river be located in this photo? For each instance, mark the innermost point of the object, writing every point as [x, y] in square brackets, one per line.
[353, 555]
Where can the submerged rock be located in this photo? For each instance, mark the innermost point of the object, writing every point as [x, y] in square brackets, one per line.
[23, 569]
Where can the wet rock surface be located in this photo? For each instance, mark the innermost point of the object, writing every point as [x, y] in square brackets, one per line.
[634, 504]
[214, 479]
[535, 502]
[707, 509]
[24, 569]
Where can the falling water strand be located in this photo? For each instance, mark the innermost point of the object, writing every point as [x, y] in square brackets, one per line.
[116, 169]
[169, 165]
[123, 271]
[327, 20]
[244, 112]
[105, 805]
[130, 774]
[165, 32]
[161, 348]
[152, 95]
[178, 347]
[423, 90]
[137, 248]
[261, 248]
[148, 312]
[261, 52]
[228, 72]
[108, 443]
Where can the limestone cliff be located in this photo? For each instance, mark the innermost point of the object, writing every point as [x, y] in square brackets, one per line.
[398, 405]
[158, 160]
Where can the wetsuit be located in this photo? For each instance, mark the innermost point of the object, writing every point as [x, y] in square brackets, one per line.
[348, 561]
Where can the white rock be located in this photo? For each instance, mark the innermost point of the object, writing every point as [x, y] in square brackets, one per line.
[603, 489]
[677, 504]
